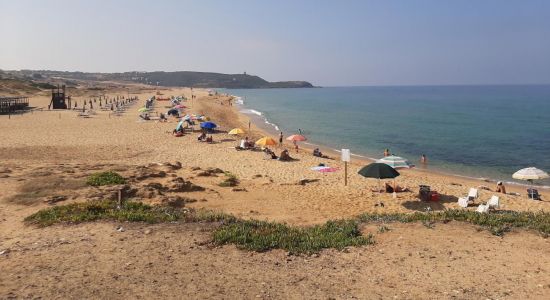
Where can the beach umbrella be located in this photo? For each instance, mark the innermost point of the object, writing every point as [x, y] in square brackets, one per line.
[530, 174]
[236, 131]
[143, 109]
[208, 125]
[378, 170]
[266, 141]
[396, 162]
[296, 137]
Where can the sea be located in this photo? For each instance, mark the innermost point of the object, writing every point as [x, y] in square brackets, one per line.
[476, 131]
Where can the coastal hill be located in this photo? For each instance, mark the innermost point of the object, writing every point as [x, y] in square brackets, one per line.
[178, 79]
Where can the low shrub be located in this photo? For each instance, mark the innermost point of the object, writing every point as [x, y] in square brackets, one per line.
[105, 178]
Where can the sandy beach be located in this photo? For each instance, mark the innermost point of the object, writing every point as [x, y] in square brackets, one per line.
[450, 261]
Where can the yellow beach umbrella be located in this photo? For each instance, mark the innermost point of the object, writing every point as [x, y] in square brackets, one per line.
[236, 131]
[266, 141]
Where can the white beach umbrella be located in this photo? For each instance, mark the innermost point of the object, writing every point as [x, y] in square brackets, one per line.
[396, 162]
[530, 174]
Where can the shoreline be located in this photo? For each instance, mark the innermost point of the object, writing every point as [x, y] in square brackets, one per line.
[267, 128]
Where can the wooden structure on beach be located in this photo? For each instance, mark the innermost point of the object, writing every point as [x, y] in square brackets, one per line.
[59, 99]
[10, 105]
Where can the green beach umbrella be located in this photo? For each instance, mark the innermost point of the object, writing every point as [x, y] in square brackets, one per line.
[396, 162]
[378, 170]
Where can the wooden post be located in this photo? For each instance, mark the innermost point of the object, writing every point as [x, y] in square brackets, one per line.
[345, 173]
[119, 204]
[346, 157]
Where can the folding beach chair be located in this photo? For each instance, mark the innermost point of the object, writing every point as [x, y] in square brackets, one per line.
[533, 194]
[463, 202]
[472, 195]
[482, 209]
[494, 202]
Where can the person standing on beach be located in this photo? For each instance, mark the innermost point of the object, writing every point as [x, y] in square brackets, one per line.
[281, 139]
[423, 159]
[386, 152]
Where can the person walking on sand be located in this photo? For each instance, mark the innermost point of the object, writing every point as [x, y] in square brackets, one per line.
[281, 139]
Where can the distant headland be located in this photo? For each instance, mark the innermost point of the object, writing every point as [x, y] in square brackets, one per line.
[176, 79]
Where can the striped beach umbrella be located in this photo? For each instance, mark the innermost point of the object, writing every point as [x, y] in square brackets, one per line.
[396, 162]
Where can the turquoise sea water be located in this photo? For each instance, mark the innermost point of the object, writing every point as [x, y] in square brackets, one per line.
[477, 131]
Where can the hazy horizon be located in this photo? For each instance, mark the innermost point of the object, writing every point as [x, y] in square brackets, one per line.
[356, 43]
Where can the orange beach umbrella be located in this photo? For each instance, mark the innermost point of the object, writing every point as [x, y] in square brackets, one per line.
[266, 141]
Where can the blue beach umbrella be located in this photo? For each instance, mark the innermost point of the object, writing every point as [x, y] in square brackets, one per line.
[208, 125]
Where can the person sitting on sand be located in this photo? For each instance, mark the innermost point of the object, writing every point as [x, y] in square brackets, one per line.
[210, 139]
[202, 137]
[270, 153]
[285, 156]
[162, 118]
[317, 152]
[394, 188]
[501, 188]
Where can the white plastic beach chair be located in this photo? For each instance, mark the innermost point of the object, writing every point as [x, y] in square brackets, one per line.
[494, 202]
[482, 209]
[463, 202]
[472, 194]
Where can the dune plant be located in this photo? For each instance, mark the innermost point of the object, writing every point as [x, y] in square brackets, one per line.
[105, 178]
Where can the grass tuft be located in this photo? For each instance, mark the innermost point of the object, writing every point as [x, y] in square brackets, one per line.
[229, 181]
[262, 236]
[105, 178]
[129, 212]
[497, 223]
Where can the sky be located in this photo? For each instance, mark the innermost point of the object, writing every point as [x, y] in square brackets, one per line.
[329, 43]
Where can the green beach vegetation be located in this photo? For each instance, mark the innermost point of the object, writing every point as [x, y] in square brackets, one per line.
[257, 235]
[105, 178]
